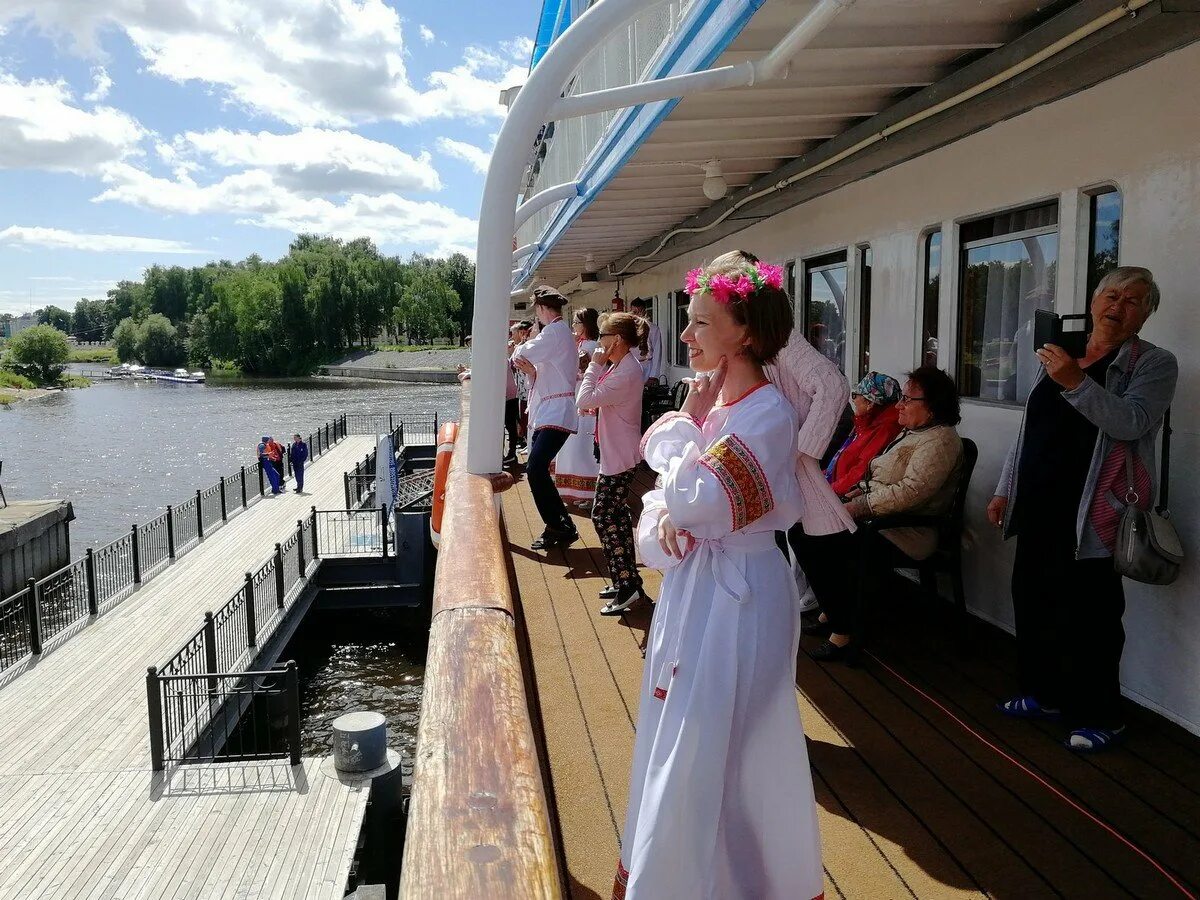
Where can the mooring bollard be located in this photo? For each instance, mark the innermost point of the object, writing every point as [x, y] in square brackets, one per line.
[359, 742]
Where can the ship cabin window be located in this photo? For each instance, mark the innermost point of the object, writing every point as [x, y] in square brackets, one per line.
[1008, 264]
[864, 310]
[825, 305]
[931, 281]
[1104, 235]
[681, 321]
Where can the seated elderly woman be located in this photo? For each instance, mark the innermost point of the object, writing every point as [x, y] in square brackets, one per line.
[1061, 492]
[876, 424]
[917, 473]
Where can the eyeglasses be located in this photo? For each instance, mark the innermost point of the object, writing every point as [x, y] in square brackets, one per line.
[609, 334]
[905, 398]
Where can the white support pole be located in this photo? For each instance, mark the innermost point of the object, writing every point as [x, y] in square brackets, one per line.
[497, 221]
[768, 67]
[521, 252]
[542, 199]
[652, 91]
[538, 102]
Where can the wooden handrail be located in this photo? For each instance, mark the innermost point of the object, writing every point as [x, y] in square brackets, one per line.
[479, 821]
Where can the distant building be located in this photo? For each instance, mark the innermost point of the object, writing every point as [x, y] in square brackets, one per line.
[16, 325]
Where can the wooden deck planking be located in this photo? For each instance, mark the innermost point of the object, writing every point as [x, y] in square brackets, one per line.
[909, 803]
[82, 816]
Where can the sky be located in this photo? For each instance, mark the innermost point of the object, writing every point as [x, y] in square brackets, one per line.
[135, 132]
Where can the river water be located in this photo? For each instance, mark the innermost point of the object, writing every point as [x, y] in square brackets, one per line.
[364, 659]
[120, 451]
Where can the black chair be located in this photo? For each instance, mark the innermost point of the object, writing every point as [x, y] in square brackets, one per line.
[656, 400]
[3, 499]
[678, 395]
[948, 556]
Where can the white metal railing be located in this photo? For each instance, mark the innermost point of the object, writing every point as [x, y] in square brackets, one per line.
[621, 59]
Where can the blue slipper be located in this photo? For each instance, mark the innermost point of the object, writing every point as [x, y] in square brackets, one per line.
[1093, 740]
[1027, 708]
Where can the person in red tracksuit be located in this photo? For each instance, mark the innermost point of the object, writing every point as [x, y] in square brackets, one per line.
[875, 426]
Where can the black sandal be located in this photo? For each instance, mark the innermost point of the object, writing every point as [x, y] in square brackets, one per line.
[828, 651]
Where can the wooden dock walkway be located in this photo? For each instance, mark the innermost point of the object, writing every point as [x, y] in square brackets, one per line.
[922, 789]
[82, 816]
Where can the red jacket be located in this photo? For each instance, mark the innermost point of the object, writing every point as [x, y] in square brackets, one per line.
[872, 432]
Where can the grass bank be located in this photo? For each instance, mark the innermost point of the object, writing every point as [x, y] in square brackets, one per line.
[94, 355]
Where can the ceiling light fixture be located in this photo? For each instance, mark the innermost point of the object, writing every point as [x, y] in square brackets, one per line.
[715, 186]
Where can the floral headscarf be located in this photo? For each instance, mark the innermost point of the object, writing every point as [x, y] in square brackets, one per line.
[880, 389]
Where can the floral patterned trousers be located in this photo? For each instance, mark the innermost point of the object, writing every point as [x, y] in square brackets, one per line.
[614, 525]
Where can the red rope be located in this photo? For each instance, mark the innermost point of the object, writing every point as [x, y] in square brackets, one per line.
[1040, 780]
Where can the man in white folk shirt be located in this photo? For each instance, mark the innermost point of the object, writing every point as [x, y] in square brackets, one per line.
[551, 360]
[652, 360]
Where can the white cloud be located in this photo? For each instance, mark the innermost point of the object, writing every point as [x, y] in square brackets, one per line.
[257, 197]
[304, 62]
[58, 239]
[311, 161]
[427, 34]
[476, 156]
[520, 49]
[41, 128]
[101, 85]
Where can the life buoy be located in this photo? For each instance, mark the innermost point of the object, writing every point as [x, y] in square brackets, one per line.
[447, 435]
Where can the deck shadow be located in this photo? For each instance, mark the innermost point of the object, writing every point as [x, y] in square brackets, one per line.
[921, 758]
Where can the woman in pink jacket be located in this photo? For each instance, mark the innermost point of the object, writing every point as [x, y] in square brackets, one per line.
[612, 385]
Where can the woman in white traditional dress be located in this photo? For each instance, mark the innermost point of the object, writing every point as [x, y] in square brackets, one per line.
[576, 467]
[721, 799]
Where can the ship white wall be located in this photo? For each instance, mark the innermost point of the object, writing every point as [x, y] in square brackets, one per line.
[1139, 131]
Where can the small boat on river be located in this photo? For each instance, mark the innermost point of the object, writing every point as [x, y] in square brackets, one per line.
[135, 371]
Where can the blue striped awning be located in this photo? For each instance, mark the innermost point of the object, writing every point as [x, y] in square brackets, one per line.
[554, 20]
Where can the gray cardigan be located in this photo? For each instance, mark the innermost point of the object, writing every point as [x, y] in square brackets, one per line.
[1129, 407]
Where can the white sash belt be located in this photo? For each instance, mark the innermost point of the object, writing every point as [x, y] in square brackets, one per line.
[713, 556]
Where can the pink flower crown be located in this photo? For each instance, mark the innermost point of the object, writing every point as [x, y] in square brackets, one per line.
[724, 288]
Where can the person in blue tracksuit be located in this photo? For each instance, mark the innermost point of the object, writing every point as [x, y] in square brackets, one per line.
[264, 459]
[298, 451]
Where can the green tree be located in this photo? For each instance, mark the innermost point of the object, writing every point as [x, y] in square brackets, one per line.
[159, 343]
[127, 300]
[55, 318]
[167, 291]
[128, 338]
[39, 353]
[459, 273]
[199, 341]
[427, 307]
[259, 322]
[88, 322]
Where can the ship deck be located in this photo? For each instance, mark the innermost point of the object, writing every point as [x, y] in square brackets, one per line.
[81, 813]
[922, 789]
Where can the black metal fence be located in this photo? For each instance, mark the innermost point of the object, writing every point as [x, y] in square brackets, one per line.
[216, 716]
[227, 640]
[49, 606]
[17, 614]
[406, 428]
[352, 532]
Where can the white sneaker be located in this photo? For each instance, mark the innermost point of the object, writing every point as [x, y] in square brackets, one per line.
[808, 600]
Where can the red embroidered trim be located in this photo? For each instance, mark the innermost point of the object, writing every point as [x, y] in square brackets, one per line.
[578, 482]
[742, 478]
[662, 420]
[743, 396]
[620, 883]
